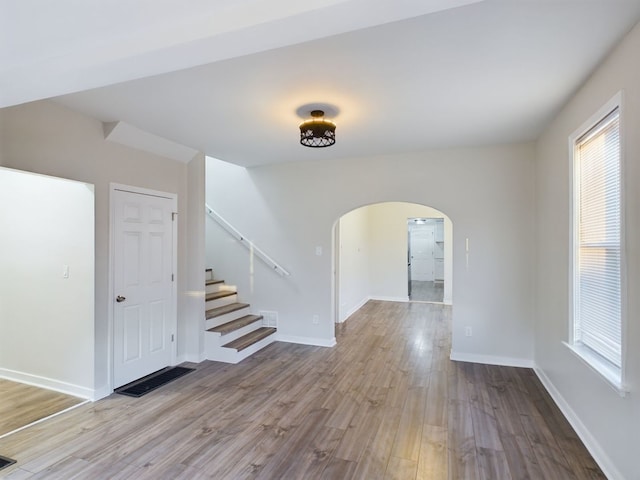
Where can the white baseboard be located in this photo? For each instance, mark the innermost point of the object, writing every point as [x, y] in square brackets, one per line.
[191, 358]
[589, 441]
[48, 383]
[390, 299]
[316, 342]
[491, 360]
[354, 309]
[102, 392]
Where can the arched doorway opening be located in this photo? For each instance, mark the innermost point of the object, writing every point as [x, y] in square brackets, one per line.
[371, 255]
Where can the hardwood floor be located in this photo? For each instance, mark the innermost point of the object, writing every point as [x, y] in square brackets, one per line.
[22, 404]
[385, 403]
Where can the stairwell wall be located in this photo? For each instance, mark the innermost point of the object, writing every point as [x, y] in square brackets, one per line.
[289, 210]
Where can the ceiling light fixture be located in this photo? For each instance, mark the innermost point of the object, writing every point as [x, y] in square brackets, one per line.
[317, 132]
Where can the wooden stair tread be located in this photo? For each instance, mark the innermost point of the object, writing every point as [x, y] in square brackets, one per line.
[232, 307]
[250, 338]
[236, 324]
[216, 295]
[213, 281]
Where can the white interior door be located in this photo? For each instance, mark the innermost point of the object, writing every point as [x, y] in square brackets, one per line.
[143, 312]
[422, 243]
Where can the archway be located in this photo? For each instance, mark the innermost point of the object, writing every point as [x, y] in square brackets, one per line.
[370, 255]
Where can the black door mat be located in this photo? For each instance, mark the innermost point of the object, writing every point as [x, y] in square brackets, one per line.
[5, 462]
[149, 383]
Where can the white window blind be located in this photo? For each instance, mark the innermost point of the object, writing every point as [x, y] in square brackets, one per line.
[597, 288]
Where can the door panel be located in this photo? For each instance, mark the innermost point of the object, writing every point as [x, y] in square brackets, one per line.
[143, 259]
[157, 330]
[422, 242]
[132, 328]
[131, 258]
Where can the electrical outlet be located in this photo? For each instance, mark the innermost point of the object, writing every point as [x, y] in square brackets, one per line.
[468, 332]
[316, 319]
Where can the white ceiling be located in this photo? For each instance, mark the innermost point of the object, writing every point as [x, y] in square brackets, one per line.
[229, 77]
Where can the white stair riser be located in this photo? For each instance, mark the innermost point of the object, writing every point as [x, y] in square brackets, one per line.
[213, 287]
[221, 302]
[229, 355]
[227, 317]
[208, 274]
[219, 287]
[229, 337]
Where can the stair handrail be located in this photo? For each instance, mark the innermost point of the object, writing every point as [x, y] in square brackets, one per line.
[246, 242]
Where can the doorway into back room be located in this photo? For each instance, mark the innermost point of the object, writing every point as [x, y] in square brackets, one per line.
[425, 259]
[371, 256]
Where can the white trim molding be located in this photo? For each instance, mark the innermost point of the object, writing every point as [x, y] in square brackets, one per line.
[492, 360]
[353, 310]
[589, 441]
[102, 392]
[390, 299]
[191, 357]
[316, 342]
[48, 383]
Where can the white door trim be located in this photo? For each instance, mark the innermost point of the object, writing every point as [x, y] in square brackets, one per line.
[174, 265]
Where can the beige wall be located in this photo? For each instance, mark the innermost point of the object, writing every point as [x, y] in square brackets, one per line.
[288, 210]
[353, 261]
[608, 423]
[47, 138]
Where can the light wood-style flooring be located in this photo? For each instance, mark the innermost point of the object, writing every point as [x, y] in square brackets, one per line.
[385, 403]
[22, 404]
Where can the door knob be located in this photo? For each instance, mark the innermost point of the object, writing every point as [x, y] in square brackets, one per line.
[120, 298]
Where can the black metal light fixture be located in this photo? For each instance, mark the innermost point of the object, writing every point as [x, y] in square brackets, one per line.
[317, 132]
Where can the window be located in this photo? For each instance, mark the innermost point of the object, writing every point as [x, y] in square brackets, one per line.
[596, 333]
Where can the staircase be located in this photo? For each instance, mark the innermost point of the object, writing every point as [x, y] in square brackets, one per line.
[232, 332]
